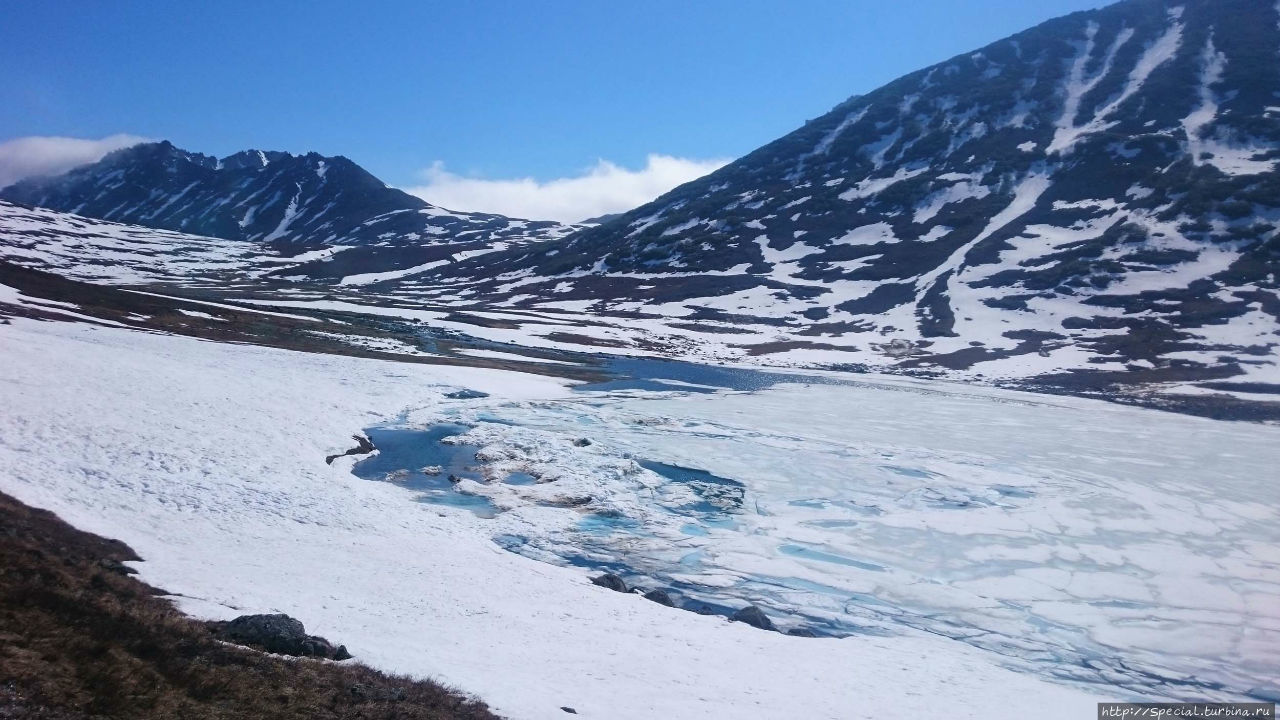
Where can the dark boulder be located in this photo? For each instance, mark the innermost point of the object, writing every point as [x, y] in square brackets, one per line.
[753, 616]
[611, 581]
[275, 633]
[581, 442]
[802, 632]
[364, 446]
[660, 596]
[466, 395]
[279, 634]
[334, 653]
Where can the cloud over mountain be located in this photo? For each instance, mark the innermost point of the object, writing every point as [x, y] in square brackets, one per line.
[52, 155]
[601, 189]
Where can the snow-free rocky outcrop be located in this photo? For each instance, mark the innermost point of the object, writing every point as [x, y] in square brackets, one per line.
[277, 633]
[1097, 192]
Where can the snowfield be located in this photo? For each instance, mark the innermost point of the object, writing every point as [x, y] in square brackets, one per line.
[209, 460]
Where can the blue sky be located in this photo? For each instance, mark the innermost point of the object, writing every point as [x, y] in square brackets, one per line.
[493, 90]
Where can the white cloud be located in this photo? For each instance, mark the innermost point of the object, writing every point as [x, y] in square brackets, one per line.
[48, 155]
[602, 189]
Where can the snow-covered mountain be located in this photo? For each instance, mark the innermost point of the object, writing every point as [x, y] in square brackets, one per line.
[270, 197]
[1088, 204]
[1097, 192]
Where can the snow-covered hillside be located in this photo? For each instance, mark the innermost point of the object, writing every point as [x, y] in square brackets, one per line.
[1092, 199]
[115, 253]
[118, 254]
[270, 279]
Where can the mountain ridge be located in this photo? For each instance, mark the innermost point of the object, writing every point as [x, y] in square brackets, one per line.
[271, 197]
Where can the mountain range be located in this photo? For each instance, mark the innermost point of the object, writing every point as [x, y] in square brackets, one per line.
[1091, 202]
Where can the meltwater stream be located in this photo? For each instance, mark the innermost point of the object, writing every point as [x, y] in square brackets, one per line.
[1093, 543]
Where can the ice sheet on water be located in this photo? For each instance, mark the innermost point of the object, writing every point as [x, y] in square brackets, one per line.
[1074, 538]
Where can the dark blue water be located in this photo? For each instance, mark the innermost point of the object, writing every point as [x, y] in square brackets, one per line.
[687, 596]
[649, 374]
[717, 495]
[416, 459]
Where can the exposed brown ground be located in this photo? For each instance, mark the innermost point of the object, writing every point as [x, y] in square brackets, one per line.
[79, 639]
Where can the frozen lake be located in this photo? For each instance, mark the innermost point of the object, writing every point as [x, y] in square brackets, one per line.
[1094, 551]
[1090, 542]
